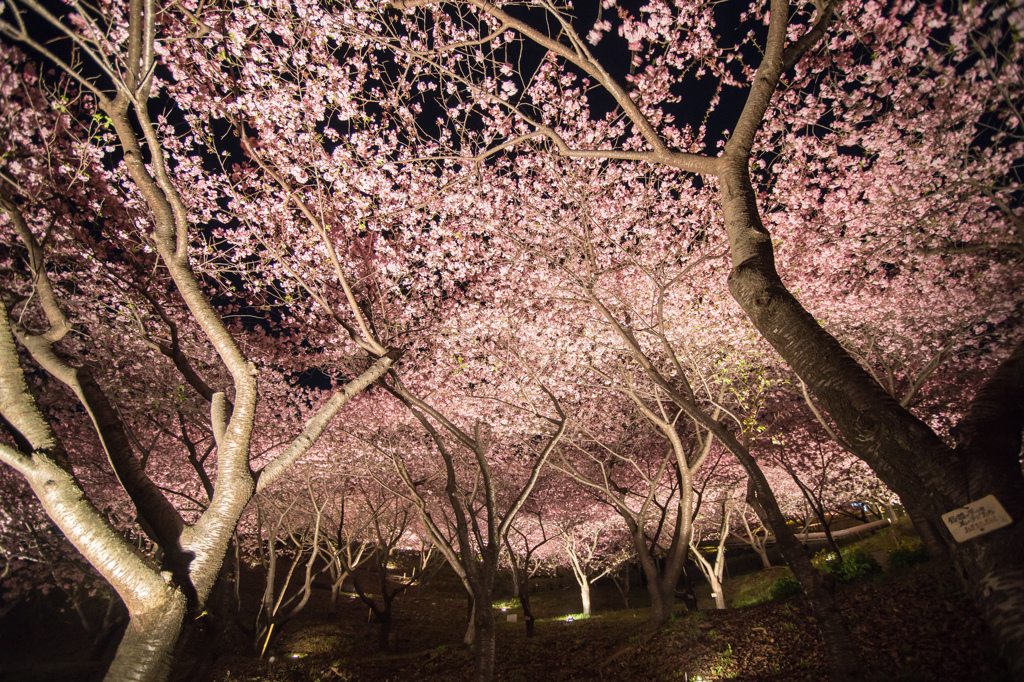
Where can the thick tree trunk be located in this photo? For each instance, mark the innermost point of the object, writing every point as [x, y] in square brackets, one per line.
[689, 596]
[662, 600]
[384, 634]
[144, 654]
[483, 660]
[930, 477]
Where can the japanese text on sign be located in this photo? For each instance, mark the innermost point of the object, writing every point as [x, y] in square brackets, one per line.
[977, 518]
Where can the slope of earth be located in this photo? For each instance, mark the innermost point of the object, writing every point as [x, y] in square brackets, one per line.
[914, 625]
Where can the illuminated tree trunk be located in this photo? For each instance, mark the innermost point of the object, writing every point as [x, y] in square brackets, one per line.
[144, 654]
[714, 572]
[930, 477]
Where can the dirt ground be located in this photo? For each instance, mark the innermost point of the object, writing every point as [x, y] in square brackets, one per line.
[914, 625]
[911, 626]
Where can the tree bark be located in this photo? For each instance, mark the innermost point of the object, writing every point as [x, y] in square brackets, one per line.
[585, 596]
[622, 584]
[662, 599]
[469, 639]
[144, 654]
[384, 633]
[930, 477]
[719, 593]
[483, 660]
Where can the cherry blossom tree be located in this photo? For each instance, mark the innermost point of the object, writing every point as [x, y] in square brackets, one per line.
[327, 184]
[390, 519]
[715, 570]
[471, 481]
[296, 525]
[956, 74]
[527, 546]
[645, 347]
[592, 546]
[754, 533]
[155, 227]
[37, 561]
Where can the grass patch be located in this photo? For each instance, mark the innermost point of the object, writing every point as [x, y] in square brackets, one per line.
[753, 588]
[855, 564]
[756, 588]
[887, 539]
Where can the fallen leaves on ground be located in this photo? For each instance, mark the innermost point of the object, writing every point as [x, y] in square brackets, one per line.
[916, 626]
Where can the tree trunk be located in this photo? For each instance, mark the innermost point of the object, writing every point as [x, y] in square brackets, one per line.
[661, 603]
[929, 535]
[483, 660]
[930, 477]
[470, 636]
[763, 553]
[689, 596]
[843, 658]
[717, 592]
[332, 606]
[144, 654]
[622, 584]
[585, 596]
[663, 599]
[524, 601]
[833, 546]
[384, 634]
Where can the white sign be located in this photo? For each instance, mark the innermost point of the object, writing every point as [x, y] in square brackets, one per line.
[512, 617]
[977, 518]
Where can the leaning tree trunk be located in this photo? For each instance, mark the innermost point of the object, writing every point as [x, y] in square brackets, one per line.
[718, 592]
[930, 477]
[622, 583]
[819, 587]
[843, 657]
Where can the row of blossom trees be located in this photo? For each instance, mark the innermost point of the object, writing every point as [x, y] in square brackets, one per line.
[223, 224]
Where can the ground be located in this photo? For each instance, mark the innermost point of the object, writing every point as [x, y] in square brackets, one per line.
[911, 624]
